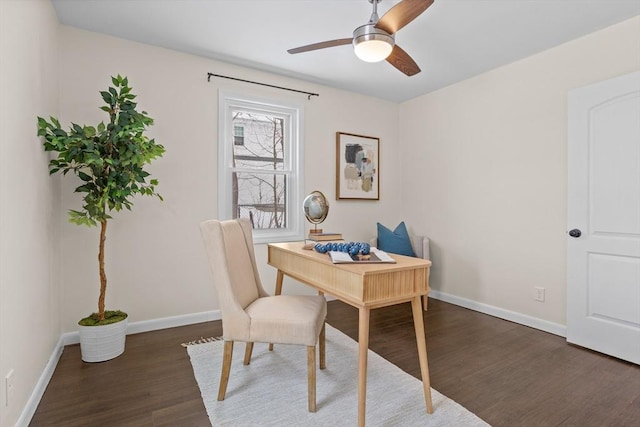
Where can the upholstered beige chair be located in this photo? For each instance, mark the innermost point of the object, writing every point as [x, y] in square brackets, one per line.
[249, 314]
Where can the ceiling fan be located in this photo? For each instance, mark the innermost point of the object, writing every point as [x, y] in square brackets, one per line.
[375, 40]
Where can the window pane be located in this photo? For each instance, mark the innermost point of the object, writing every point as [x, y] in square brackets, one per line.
[262, 196]
[263, 141]
[238, 135]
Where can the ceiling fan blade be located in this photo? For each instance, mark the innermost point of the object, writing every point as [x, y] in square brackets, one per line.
[402, 61]
[401, 14]
[321, 45]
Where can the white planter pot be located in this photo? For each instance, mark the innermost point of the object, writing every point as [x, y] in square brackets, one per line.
[100, 343]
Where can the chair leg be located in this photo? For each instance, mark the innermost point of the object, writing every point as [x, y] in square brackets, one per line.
[323, 348]
[311, 376]
[247, 353]
[226, 369]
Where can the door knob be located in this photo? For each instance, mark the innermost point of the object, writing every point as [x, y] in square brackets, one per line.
[575, 233]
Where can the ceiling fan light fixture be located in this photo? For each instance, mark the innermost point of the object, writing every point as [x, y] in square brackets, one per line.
[372, 44]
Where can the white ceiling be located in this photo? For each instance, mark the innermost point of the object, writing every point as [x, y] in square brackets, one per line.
[451, 41]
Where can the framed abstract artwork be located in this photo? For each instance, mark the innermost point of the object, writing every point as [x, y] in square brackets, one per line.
[357, 167]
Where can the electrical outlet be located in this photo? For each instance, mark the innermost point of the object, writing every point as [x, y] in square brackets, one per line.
[8, 387]
[539, 295]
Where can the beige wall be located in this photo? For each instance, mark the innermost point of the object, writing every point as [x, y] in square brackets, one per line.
[484, 165]
[155, 257]
[29, 200]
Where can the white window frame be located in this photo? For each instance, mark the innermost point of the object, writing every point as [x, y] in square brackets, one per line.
[293, 161]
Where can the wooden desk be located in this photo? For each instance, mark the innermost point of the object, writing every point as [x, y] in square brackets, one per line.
[365, 286]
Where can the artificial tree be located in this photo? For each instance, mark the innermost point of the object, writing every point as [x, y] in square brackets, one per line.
[109, 160]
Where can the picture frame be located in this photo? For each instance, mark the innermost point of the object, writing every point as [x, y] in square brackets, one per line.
[357, 167]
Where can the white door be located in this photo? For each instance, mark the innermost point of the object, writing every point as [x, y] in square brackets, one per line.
[603, 248]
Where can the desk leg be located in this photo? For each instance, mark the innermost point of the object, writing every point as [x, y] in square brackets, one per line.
[418, 323]
[363, 348]
[279, 278]
[278, 291]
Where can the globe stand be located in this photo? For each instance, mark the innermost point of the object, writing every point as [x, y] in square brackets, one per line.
[315, 230]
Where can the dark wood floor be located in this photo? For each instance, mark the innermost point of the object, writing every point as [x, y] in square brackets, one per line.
[507, 374]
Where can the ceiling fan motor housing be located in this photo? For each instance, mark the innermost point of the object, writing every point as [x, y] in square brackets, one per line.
[374, 37]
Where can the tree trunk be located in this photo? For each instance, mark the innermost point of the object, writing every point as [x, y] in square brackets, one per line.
[103, 276]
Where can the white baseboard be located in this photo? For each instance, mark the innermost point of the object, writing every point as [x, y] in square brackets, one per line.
[73, 338]
[32, 404]
[512, 316]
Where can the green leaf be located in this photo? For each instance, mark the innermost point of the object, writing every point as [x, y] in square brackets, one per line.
[107, 97]
[84, 188]
[89, 131]
[83, 176]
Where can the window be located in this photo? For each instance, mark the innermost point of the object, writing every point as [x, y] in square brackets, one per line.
[260, 166]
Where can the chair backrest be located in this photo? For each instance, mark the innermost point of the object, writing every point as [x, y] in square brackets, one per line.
[229, 246]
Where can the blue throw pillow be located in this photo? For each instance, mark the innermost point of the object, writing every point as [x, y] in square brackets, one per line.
[396, 241]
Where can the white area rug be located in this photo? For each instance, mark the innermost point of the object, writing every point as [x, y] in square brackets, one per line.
[272, 390]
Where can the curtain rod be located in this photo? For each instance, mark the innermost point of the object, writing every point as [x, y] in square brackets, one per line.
[309, 94]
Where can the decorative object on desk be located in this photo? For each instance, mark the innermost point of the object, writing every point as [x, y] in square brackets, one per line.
[109, 160]
[394, 397]
[324, 237]
[352, 248]
[316, 209]
[357, 167]
[396, 241]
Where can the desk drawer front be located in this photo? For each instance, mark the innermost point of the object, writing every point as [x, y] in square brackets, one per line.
[322, 276]
[395, 285]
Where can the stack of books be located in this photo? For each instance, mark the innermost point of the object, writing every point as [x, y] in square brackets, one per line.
[323, 237]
